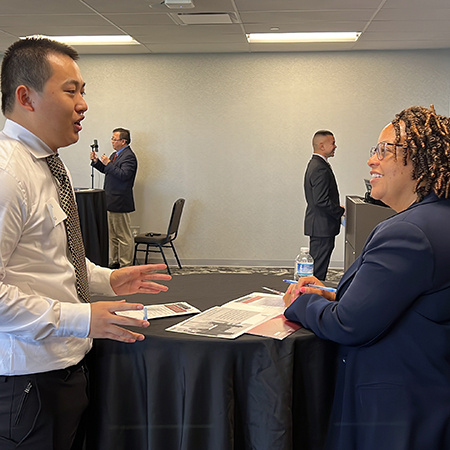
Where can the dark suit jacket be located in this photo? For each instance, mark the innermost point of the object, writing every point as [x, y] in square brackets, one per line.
[393, 323]
[119, 180]
[323, 212]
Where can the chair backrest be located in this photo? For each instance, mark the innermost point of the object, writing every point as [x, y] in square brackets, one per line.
[174, 222]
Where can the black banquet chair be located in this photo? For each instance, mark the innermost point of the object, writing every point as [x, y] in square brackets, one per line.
[156, 242]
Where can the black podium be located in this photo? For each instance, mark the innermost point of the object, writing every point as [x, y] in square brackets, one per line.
[361, 218]
[94, 224]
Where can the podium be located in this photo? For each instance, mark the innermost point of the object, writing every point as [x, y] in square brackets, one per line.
[94, 224]
[360, 219]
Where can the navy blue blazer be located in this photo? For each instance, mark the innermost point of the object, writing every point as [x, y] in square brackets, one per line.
[393, 323]
[323, 211]
[119, 180]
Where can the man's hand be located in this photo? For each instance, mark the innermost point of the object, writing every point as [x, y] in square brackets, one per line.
[106, 324]
[94, 156]
[135, 279]
[105, 160]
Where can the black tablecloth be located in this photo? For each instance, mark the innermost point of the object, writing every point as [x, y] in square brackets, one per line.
[94, 224]
[181, 392]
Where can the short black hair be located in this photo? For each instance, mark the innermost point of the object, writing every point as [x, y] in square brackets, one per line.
[124, 134]
[322, 133]
[26, 62]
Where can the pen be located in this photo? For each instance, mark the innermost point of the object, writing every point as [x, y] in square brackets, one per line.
[315, 286]
[273, 290]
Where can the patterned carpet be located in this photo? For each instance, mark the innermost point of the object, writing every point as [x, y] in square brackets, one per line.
[333, 276]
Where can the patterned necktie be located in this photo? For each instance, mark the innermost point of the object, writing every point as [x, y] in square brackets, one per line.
[72, 224]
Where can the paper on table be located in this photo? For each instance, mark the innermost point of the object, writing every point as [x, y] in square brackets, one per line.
[221, 321]
[162, 310]
[170, 309]
[135, 314]
[260, 300]
[277, 328]
[233, 318]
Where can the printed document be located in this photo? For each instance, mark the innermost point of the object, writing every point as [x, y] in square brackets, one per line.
[235, 317]
[163, 310]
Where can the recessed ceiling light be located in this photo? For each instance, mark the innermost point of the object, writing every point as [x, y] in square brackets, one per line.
[179, 4]
[302, 37]
[204, 18]
[92, 40]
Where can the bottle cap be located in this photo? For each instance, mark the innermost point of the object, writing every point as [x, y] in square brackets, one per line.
[304, 249]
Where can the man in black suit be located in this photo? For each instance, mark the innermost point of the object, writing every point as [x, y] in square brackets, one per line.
[323, 212]
[120, 172]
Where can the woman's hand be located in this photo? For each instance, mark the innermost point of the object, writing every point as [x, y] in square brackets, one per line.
[295, 290]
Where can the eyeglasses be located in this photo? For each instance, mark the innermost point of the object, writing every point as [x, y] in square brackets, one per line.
[381, 148]
[115, 140]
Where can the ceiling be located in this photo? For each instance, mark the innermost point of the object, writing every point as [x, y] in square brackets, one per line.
[384, 24]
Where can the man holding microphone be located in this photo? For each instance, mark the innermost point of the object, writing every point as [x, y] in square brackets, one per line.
[120, 172]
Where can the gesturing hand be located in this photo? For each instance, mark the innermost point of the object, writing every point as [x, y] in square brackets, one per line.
[134, 279]
[106, 324]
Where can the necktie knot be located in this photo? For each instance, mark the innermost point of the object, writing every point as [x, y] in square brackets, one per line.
[57, 168]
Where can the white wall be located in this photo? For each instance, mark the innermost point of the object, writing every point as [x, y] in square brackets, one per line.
[232, 134]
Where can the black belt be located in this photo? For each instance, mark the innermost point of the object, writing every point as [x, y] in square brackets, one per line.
[75, 368]
[80, 365]
[67, 371]
[62, 373]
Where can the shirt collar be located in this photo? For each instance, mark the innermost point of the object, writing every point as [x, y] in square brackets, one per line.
[321, 156]
[36, 146]
[430, 198]
[119, 151]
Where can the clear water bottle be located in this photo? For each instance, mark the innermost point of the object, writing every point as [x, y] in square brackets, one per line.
[304, 264]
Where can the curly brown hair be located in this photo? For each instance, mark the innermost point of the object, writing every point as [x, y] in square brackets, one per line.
[427, 144]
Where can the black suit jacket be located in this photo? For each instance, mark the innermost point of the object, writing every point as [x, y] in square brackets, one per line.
[119, 180]
[323, 212]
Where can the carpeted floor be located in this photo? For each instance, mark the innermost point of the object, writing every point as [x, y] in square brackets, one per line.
[333, 276]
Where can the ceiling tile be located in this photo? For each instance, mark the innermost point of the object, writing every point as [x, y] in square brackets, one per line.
[390, 24]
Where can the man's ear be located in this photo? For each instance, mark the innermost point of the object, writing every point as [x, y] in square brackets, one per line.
[24, 97]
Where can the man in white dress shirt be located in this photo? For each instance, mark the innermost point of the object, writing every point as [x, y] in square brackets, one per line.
[45, 329]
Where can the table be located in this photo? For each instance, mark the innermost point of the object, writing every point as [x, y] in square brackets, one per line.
[181, 392]
[94, 224]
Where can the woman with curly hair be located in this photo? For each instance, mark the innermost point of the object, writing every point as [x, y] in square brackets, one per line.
[391, 311]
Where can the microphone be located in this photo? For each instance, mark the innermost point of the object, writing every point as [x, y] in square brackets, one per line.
[94, 146]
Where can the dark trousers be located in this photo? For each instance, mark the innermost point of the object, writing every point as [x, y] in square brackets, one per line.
[43, 411]
[321, 248]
